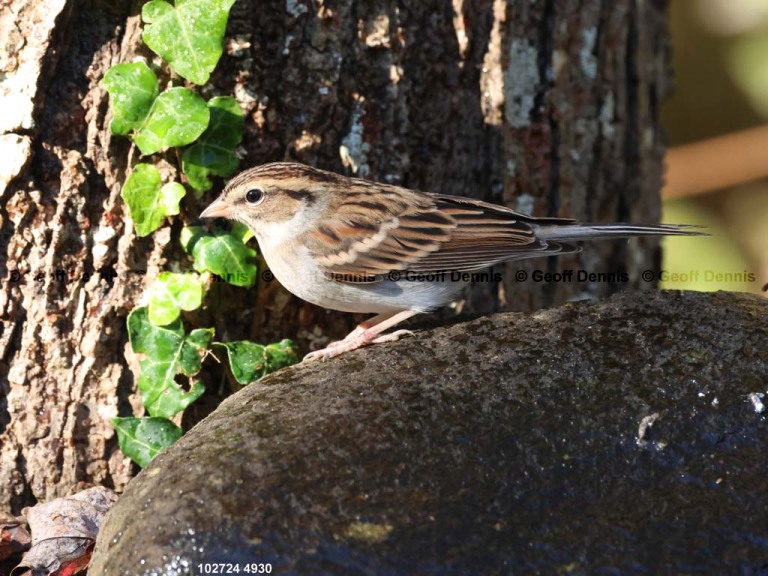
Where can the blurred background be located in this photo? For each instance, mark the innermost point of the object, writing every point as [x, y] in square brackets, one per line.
[717, 133]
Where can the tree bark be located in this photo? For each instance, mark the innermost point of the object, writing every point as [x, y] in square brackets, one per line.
[550, 107]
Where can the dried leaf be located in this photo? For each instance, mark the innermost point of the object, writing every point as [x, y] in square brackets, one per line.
[14, 537]
[64, 532]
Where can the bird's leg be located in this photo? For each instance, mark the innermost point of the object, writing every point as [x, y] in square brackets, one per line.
[368, 332]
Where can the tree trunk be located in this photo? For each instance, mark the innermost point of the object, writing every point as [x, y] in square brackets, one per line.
[550, 107]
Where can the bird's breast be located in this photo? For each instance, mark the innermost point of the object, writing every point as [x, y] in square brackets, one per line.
[299, 273]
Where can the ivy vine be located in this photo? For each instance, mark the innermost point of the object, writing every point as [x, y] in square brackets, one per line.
[188, 35]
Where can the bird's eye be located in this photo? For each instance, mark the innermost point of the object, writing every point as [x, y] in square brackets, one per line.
[254, 196]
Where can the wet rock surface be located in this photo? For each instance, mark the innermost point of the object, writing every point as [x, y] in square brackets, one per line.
[623, 436]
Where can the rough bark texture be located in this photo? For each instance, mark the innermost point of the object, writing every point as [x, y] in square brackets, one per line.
[548, 106]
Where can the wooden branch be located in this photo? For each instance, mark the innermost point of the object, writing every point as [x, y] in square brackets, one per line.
[720, 162]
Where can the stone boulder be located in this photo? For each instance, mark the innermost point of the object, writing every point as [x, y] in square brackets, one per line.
[622, 436]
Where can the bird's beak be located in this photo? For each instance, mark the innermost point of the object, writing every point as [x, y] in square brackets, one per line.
[217, 209]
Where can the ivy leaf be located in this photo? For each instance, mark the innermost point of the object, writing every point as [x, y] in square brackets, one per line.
[169, 351]
[250, 361]
[221, 253]
[241, 231]
[170, 294]
[214, 152]
[149, 201]
[132, 88]
[188, 35]
[177, 118]
[141, 439]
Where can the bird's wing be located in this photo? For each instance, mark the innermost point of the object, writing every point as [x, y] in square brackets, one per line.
[396, 229]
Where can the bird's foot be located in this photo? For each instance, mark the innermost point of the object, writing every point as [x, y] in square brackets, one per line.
[356, 339]
[393, 337]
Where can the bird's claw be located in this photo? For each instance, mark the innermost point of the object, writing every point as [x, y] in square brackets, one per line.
[356, 339]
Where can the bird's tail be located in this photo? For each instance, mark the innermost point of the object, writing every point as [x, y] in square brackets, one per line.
[577, 232]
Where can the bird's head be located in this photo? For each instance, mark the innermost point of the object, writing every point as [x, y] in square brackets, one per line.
[273, 194]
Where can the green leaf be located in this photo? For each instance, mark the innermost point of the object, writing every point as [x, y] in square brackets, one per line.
[221, 253]
[141, 439]
[242, 231]
[170, 294]
[188, 35]
[214, 152]
[177, 118]
[169, 351]
[250, 361]
[133, 88]
[149, 201]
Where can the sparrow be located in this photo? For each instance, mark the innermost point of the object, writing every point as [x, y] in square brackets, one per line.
[359, 246]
